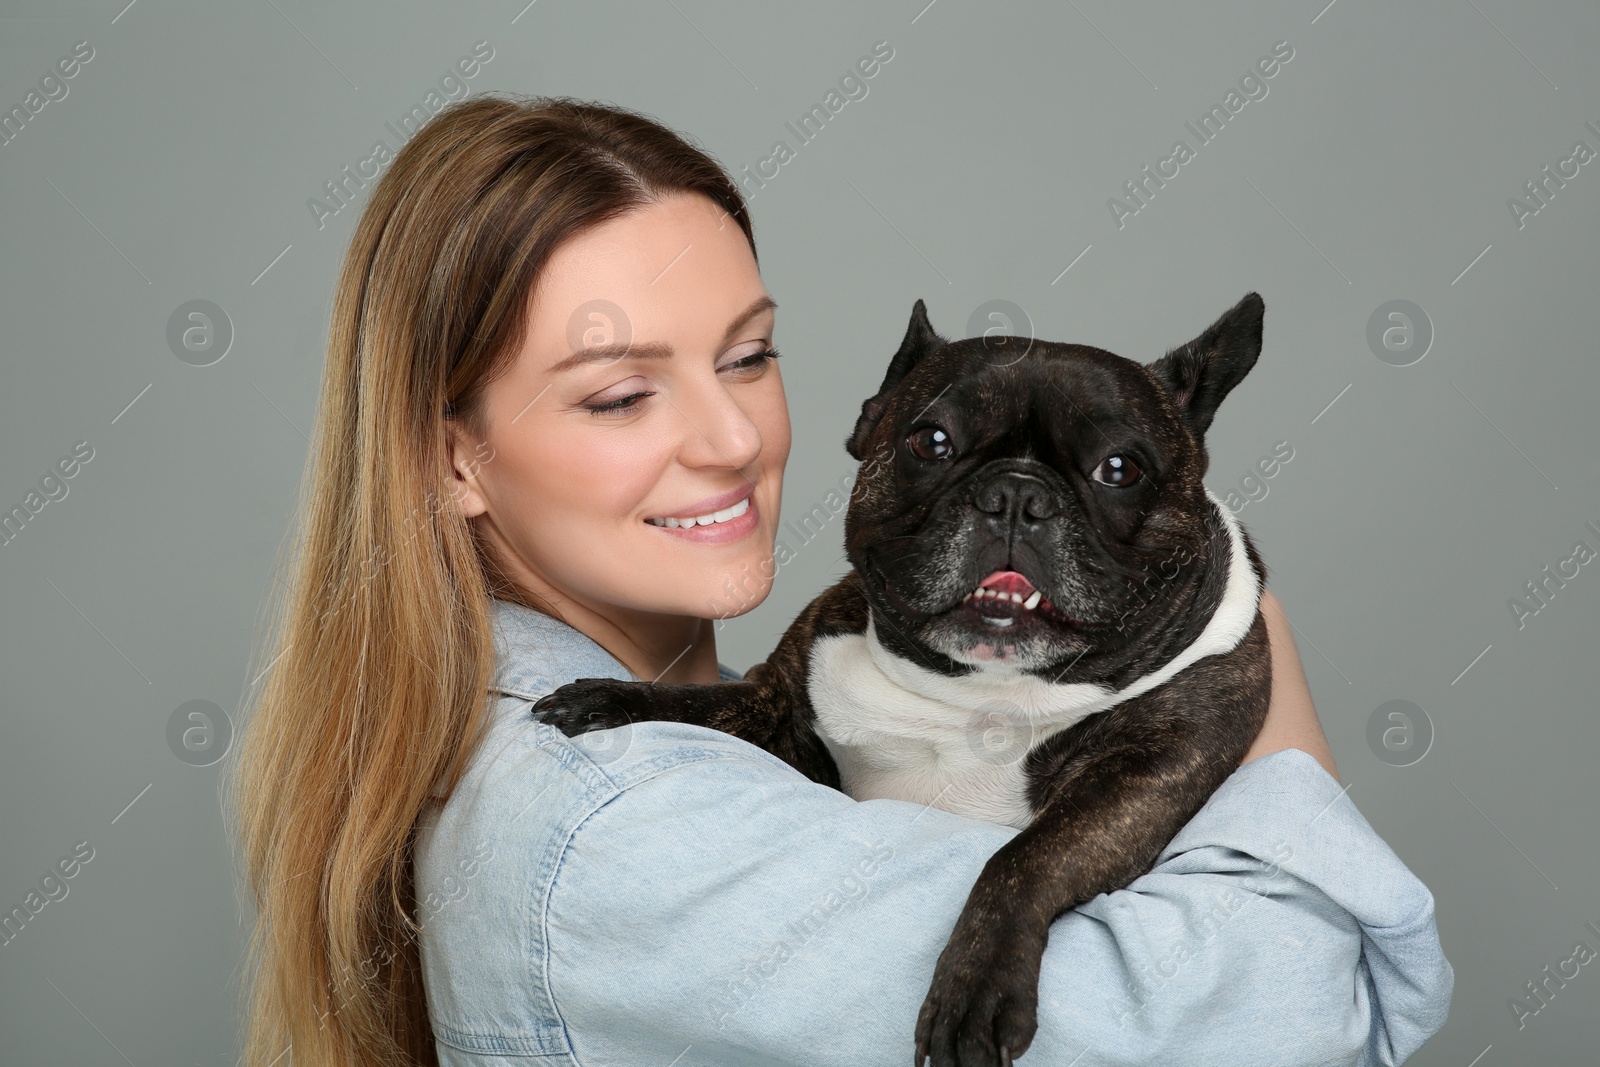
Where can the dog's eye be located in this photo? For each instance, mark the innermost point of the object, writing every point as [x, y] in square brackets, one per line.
[1118, 470]
[930, 442]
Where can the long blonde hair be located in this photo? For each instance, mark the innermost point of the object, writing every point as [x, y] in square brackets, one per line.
[380, 650]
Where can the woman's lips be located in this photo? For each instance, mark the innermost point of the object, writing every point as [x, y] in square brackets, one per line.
[715, 503]
[717, 533]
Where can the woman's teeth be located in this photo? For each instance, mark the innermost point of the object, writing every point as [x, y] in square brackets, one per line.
[705, 520]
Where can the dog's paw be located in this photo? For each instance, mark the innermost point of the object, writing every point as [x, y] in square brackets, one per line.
[588, 704]
[982, 1007]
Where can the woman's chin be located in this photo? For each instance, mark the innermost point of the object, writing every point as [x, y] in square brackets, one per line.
[736, 589]
[716, 580]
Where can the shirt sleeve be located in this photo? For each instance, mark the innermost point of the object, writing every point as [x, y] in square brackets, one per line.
[732, 912]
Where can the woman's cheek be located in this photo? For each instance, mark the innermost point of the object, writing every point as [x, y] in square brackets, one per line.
[614, 476]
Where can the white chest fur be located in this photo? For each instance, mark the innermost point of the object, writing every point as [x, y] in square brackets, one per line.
[900, 730]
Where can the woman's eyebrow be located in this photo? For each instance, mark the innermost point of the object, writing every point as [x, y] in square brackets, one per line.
[654, 350]
[764, 302]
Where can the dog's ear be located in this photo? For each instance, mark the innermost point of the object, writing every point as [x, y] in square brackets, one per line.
[920, 340]
[1202, 372]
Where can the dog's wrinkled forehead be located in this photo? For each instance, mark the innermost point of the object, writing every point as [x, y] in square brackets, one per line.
[1033, 392]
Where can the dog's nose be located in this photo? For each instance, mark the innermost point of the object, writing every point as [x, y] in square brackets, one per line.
[1014, 497]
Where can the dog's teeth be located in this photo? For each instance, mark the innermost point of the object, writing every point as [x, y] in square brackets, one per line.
[1030, 602]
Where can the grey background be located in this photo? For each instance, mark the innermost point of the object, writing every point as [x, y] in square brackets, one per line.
[978, 167]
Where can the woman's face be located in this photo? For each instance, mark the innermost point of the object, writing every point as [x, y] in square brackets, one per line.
[641, 394]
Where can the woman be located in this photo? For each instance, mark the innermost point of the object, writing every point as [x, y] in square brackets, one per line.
[550, 336]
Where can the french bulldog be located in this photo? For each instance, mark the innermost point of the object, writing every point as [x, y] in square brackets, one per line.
[1049, 623]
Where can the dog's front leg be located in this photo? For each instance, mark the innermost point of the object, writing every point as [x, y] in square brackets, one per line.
[770, 708]
[1106, 819]
[759, 710]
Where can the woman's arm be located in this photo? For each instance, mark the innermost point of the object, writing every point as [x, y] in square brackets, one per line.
[1291, 717]
[730, 911]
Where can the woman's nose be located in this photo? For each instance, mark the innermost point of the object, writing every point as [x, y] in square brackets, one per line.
[717, 431]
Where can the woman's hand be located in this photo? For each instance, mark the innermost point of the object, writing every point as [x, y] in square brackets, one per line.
[1291, 718]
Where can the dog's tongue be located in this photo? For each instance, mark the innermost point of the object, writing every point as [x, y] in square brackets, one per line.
[1008, 582]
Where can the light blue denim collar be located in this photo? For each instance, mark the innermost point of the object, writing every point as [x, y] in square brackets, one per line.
[535, 653]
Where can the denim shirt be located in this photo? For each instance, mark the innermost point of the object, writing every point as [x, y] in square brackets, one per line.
[668, 894]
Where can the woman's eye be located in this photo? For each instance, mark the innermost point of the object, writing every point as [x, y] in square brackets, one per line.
[1118, 470]
[930, 442]
[624, 405]
[620, 406]
[754, 359]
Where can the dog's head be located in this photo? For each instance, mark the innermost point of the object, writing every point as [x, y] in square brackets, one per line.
[1060, 478]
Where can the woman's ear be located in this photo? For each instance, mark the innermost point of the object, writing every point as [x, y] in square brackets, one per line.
[466, 460]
